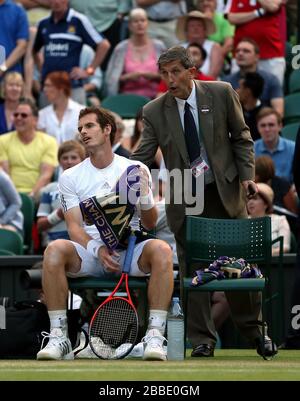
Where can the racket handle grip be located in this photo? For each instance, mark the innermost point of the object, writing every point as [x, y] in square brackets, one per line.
[129, 253]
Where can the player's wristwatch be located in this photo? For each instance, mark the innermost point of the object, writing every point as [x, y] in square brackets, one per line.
[3, 68]
[90, 70]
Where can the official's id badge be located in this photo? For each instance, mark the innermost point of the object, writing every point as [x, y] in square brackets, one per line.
[198, 167]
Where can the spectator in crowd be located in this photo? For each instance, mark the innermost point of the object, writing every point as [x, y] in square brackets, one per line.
[27, 155]
[132, 67]
[250, 89]
[50, 217]
[11, 217]
[224, 30]
[247, 56]
[292, 340]
[195, 27]
[228, 177]
[262, 205]
[281, 150]
[14, 36]
[62, 36]
[60, 118]
[107, 17]
[260, 21]
[198, 54]
[12, 88]
[87, 254]
[285, 195]
[163, 17]
[91, 85]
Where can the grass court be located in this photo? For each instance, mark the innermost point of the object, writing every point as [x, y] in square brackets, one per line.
[242, 364]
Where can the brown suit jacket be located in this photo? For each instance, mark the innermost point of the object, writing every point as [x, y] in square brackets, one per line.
[226, 138]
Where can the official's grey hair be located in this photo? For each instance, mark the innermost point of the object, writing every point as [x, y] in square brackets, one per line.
[176, 53]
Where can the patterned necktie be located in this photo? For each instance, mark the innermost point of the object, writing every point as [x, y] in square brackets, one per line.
[191, 134]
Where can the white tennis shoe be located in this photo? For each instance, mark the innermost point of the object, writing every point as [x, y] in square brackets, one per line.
[59, 346]
[154, 349]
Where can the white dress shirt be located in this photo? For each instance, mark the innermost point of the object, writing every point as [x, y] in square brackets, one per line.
[64, 130]
[192, 101]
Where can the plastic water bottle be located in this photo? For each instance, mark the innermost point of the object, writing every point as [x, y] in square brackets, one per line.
[175, 332]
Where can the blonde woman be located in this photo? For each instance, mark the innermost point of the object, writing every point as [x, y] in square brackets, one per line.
[11, 92]
[133, 64]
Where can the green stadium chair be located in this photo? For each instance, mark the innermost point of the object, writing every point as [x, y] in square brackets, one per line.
[126, 105]
[291, 108]
[11, 241]
[289, 131]
[294, 81]
[208, 239]
[28, 210]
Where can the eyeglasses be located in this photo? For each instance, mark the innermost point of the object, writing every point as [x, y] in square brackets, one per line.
[23, 115]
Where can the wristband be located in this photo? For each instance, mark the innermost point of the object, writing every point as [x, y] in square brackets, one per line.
[93, 247]
[53, 218]
[260, 12]
[147, 201]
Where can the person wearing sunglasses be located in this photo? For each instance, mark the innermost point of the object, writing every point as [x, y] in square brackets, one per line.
[27, 155]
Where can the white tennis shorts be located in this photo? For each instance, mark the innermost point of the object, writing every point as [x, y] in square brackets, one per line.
[91, 266]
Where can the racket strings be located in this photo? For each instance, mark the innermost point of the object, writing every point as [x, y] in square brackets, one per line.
[113, 331]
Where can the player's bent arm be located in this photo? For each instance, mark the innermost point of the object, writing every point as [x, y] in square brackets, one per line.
[73, 219]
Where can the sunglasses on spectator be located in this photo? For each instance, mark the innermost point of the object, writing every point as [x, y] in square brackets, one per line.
[23, 115]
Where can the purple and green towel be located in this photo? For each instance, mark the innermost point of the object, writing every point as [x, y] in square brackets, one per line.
[112, 213]
[226, 267]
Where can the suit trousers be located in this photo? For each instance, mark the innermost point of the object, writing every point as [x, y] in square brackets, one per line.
[245, 306]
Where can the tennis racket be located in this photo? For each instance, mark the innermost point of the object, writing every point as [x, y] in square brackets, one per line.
[114, 326]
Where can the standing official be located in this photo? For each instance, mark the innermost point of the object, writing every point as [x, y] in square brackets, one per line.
[225, 149]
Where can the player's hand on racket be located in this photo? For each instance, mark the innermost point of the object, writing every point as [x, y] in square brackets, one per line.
[110, 260]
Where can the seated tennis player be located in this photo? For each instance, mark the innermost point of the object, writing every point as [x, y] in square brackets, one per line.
[97, 228]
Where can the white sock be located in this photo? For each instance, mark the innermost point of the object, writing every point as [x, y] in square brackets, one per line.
[157, 320]
[58, 320]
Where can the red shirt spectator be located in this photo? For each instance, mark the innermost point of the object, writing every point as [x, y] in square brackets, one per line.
[265, 29]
